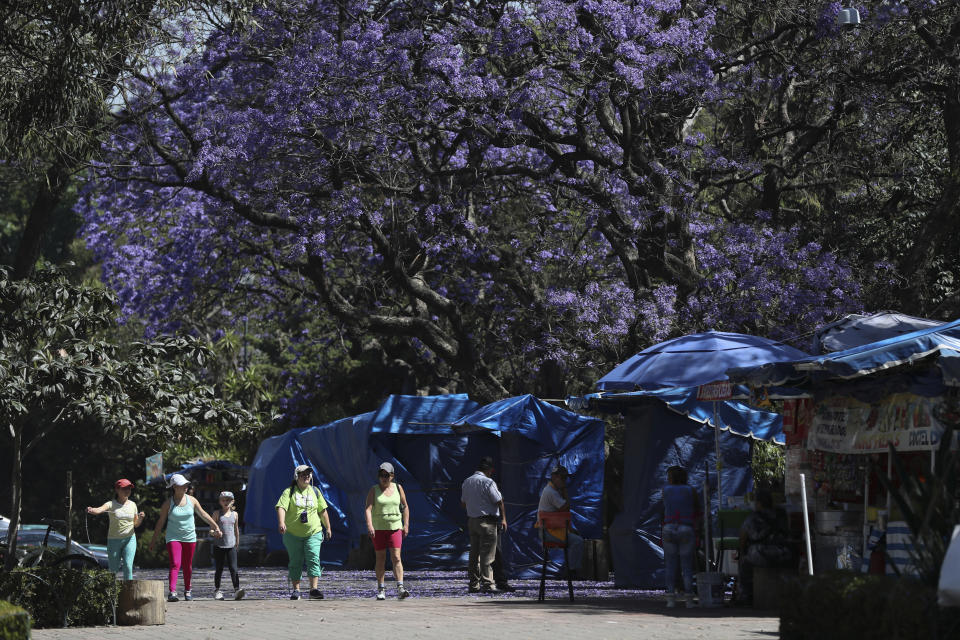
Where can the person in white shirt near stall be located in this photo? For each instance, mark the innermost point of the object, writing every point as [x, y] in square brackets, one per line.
[555, 498]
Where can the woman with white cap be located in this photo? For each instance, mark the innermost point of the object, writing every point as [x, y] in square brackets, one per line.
[124, 518]
[302, 520]
[181, 533]
[388, 522]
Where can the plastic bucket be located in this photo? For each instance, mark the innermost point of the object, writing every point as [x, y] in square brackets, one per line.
[710, 589]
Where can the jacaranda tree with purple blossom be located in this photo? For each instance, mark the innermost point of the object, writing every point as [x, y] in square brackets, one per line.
[478, 188]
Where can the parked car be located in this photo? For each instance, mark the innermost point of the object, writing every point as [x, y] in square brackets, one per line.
[32, 535]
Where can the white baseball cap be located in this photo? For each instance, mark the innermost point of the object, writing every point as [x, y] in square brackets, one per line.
[386, 466]
[177, 480]
[301, 468]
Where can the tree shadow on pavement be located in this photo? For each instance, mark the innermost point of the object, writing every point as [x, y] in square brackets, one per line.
[590, 605]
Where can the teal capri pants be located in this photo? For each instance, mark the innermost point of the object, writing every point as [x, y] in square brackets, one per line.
[120, 552]
[303, 551]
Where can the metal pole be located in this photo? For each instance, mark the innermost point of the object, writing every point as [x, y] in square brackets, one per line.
[866, 506]
[890, 481]
[716, 438]
[806, 523]
[706, 514]
[69, 510]
[719, 464]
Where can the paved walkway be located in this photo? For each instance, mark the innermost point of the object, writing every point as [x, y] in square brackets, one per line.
[432, 619]
[433, 613]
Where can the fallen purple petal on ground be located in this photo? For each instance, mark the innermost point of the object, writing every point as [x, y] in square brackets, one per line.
[271, 582]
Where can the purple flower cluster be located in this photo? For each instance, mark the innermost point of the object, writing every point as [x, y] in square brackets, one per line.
[494, 186]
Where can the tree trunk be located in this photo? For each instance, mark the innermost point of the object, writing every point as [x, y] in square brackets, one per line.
[49, 194]
[931, 242]
[141, 602]
[16, 489]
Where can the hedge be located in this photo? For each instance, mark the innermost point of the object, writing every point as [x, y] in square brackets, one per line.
[49, 594]
[850, 606]
[14, 622]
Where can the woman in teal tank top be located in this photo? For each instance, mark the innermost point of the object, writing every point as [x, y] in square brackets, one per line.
[388, 522]
[181, 533]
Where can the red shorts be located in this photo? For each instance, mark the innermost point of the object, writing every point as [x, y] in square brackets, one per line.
[384, 539]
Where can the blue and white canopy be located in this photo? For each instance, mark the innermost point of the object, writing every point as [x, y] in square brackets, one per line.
[941, 343]
[858, 329]
[729, 415]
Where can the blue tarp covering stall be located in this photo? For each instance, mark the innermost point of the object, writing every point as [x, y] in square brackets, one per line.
[657, 438]
[434, 443]
[670, 427]
[534, 437]
[665, 427]
[194, 470]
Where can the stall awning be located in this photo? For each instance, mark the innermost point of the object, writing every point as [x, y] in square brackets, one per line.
[731, 415]
[942, 342]
[693, 360]
[858, 329]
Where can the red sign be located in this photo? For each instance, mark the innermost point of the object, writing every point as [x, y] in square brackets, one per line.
[715, 391]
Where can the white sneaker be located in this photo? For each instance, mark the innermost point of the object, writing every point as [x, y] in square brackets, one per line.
[381, 594]
[218, 595]
[238, 594]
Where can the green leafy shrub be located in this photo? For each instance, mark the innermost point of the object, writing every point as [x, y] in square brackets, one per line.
[86, 598]
[930, 505]
[768, 465]
[14, 622]
[849, 606]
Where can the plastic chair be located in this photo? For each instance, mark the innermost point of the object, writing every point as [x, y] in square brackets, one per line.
[557, 523]
[728, 532]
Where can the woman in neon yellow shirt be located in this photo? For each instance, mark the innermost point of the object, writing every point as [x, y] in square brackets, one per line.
[301, 514]
[388, 522]
[124, 518]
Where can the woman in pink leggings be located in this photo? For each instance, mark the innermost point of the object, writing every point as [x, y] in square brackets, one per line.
[181, 533]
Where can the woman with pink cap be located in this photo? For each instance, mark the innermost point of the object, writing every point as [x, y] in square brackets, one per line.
[124, 518]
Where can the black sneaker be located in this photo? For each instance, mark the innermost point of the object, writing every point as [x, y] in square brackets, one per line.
[506, 588]
[489, 589]
[295, 595]
[316, 594]
[473, 589]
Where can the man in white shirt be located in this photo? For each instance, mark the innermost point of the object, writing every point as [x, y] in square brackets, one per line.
[484, 504]
[555, 498]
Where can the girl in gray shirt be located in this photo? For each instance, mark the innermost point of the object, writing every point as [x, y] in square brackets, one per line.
[225, 547]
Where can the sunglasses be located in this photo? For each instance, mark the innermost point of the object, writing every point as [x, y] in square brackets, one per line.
[384, 474]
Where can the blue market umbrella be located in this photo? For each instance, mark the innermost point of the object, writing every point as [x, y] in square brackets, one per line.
[694, 360]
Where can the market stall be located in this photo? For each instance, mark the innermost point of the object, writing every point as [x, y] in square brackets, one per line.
[669, 423]
[857, 404]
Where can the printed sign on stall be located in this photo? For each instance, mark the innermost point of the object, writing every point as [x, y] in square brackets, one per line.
[155, 468]
[846, 425]
[715, 391]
